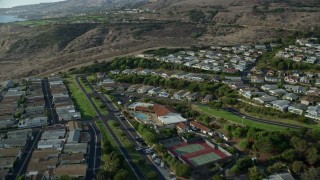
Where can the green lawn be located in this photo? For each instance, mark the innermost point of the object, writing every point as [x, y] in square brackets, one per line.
[309, 124]
[237, 119]
[135, 155]
[107, 136]
[81, 101]
[99, 104]
[85, 85]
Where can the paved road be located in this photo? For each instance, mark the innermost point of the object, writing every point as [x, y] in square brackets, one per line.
[104, 119]
[131, 133]
[53, 117]
[95, 152]
[22, 164]
[236, 112]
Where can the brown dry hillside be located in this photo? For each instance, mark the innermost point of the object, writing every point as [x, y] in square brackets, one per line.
[26, 51]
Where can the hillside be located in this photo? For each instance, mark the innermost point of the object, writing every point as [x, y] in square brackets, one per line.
[49, 45]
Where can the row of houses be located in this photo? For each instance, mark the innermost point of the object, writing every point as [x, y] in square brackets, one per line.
[305, 51]
[63, 104]
[290, 98]
[61, 151]
[217, 59]
[9, 104]
[35, 114]
[11, 145]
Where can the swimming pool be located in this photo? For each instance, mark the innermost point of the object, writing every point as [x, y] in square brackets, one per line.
[141, 116]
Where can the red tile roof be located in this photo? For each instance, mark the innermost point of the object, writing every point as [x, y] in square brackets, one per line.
[181, 126]
[141, 108]
[200, 126]
[162, 110]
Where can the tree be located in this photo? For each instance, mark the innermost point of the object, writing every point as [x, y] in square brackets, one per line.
[254, 173]
[215, 104]
[66, 177]
[289, 155]
[107, 147]
[316, 134]
[297, 167]
[263, 144]
[238, 132]
[244, 143]
[217, 177]
[122, 174]
[251, 133]
[182, 170]
[152, 175]
[112, 163]
[276, 167]
[312, 156]
[312, 174]
[299, 144]
[281, 65]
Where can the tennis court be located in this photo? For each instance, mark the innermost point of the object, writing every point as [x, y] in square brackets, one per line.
[189, 148]
[204, 159]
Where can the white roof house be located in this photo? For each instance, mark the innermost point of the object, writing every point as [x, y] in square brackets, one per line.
[280, 105]
[313, 112]
[171, 119]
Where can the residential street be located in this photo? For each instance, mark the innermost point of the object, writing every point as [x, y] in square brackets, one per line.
[95, 151]
[22, 163]
[105, 119]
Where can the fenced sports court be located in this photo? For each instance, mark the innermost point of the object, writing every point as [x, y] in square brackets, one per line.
[198, 153]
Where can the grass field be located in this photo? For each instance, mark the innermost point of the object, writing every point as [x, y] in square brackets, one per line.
[135, 155]
[81, 101]
[85, 86]
[106, 135]
[237, 119]
[99, 105]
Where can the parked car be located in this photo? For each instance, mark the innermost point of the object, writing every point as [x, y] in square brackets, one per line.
[139, 148]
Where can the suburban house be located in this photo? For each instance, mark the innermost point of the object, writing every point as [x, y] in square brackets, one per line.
[308, 100]
[296, 89]
[164, 94]
[203, 128]
[313, 112]
[280, 105]
[277, 92]
[134, 87]
[180, 94]
[265, 99]
[167, 116]
[272, 79]
[193, 96]
[290, 97]
[250, 94]
[155, 91]
[144, 89]
[268, 87]
[256, 79]
[181, 127]
[291, 79]
[297, 108]
[207, 99]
